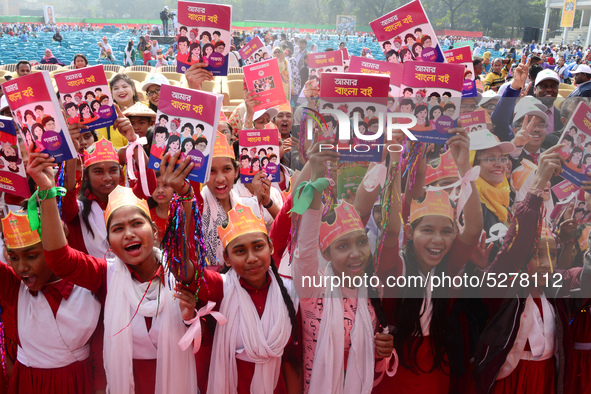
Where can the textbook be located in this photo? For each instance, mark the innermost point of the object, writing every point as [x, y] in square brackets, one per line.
[187, 121]
[254, 52]
[406, 35]
[38, 115]
[577, 150]
[86, 97]
[463, 56]
[324, 62]
[13, 179]
[265, 79]
[362, 100]
[203, 36]
[259, 150]
[473, 121]
[432, 92]
[349, 177]
[362, 65]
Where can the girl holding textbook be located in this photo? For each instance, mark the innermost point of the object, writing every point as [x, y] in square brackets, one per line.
[434, 245]
[219, 196]
[337, 360]
[55, 318]
[143, 319]
[83, 212]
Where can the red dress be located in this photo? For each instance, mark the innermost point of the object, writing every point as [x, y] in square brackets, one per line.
[74, 378]
[91, 273]
[245, 369]
[160, 223]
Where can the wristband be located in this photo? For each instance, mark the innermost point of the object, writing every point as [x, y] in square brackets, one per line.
[188, 191]
[268, 205]
[41, 195]
[536, 192]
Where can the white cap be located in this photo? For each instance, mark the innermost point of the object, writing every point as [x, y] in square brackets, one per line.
[489, 95]
[3, 103]
[546, 74]
[484, 139]
[529, 109]
[582, 68]
[272, 111]
[166, 7]
[529, 101]
[154, 79]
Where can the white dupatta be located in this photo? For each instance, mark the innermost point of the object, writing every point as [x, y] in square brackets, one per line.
[175, 371]
[328, 371]
[264, 338]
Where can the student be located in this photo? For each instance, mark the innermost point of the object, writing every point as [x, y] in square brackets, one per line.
[55, 319]
[219, 197]
[143, 320]
[160, 204]
[345, 246]
[433, 246]
[255, 351]
[530, 354]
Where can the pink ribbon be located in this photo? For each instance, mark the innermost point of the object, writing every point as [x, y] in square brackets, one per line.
[193, 334]
[382, 366]
[139, 142]
[462, 190]
[374, 177]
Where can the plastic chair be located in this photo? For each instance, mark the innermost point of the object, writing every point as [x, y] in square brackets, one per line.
[138, 62]
[139, 76]
[235, 92]
[172, 76]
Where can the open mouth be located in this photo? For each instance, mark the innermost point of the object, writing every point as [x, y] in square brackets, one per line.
[435, 253]
[29, 281]
[221, 189]
[356, 267]
[133, 248]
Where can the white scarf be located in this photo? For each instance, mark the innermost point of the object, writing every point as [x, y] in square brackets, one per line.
[328, 371]
[264, 338]
[96, 242]
[175, 371]
[213, 217]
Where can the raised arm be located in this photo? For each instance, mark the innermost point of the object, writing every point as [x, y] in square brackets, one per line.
[459, 144]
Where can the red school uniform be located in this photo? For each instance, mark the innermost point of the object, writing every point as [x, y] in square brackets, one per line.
[54, 327]
[91, 273]
[215, 292]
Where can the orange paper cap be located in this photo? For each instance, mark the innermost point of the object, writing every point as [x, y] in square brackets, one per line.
[223, 117]
[435, 203]
[221, 147]
[521, 173]
[447, 168]
[100, 152]
[285, 107]
[241, 220]
[124, 197]
[546, 233]
[346, 221]
[17, 231]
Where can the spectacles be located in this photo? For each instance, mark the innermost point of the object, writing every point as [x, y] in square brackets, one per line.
[540, 126]
[489, 106]
[472, 107]
[153, 92]
[494, 160]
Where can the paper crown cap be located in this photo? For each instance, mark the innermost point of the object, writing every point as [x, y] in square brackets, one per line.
[99, 152]
[17, 231]
[241, 220]
[223, 117]
[447, 168]
[346, 220]
[522, 173]
[435, 203]
[221, 147]
[124, 197]
[546, 233]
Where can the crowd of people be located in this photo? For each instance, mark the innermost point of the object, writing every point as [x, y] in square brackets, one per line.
[103, 287]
